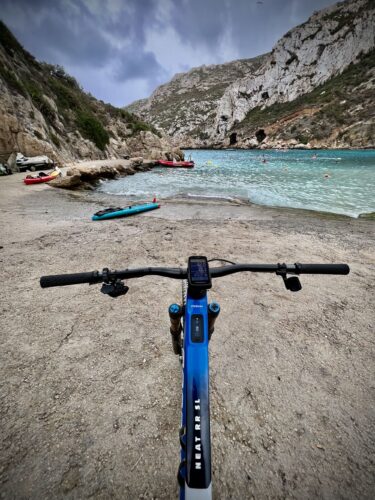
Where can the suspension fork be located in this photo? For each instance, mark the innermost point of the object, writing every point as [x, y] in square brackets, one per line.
[175, 315]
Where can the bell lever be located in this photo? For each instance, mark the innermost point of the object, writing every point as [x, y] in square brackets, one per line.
[292, 283]
[112, 286]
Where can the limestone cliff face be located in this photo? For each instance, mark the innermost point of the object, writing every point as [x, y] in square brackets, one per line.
[306, 57]
[44, 111]
[315, 89]
[185, 107]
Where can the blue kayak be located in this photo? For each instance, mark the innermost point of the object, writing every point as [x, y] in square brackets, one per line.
[111, 213]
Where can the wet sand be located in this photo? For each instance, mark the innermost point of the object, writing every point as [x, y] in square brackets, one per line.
[90, 387]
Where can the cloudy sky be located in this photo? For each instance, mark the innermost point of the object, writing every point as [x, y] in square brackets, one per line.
[121, 50]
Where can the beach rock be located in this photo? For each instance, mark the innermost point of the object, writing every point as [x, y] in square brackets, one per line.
[121, 169]
[135, 162]
[107, 172]
[73, 171]
[72, 181]
[252, 143]
[87, 176]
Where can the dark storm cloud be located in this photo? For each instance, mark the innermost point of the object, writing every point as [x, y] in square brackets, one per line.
[79, 33]
[139, 65]
[62, 29]
[200, 22]
[133, 19]
[138, 44]
[253, 26]
[252, 23]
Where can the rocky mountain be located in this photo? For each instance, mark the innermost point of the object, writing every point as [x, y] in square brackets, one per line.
[315, 89]
[186, 107]
[43, 110]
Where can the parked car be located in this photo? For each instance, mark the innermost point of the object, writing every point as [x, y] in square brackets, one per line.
[4, 169]
[31, 163]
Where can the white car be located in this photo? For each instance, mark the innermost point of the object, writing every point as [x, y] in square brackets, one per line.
[30, 163]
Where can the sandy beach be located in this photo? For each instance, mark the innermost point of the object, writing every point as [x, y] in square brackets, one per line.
[90, 387]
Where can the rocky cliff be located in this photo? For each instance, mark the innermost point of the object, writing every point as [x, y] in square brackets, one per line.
[186, 107]
[315, 89]
[304, 59]
[44, 111]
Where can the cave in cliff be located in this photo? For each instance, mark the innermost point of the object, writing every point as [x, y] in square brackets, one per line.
[260, 135]
[233, 138]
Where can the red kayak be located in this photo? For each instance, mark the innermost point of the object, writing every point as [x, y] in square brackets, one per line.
[38, 180]
[184, 164]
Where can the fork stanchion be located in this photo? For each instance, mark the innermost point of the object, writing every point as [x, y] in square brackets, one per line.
[175, 314]
[213, 313]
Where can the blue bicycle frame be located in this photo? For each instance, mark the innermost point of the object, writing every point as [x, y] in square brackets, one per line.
[195, 469]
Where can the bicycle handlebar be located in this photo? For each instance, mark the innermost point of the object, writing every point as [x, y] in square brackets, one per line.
[70, 279]
[181, 273]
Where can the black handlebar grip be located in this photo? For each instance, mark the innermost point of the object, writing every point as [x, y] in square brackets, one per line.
[69, 279]
[322, 268]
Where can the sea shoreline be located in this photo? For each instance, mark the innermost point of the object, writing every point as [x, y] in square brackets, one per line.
[233, 148]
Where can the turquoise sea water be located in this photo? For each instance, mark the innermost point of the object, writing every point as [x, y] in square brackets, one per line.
[336, 181]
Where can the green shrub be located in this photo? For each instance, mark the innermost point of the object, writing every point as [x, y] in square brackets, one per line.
[36, 94]
[55, 139]
[92, 129]
[136, 125]
[66, 98]
[333, 113]
[59, 72]
[303, 139]
[139, 127]
[12, 81]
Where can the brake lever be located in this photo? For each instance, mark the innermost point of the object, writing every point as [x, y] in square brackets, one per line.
[292, 283]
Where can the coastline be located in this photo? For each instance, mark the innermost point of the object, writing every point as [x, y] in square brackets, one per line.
[91, 387]
[278, 148]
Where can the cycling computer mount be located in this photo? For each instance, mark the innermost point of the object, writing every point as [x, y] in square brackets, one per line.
[198, 272]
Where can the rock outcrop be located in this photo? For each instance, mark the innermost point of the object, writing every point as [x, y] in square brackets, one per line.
[88, 176]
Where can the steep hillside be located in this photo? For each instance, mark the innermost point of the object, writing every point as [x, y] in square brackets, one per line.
[314, 89]
[339, 113]
[186, 106]
[303, 60]
[44, 110]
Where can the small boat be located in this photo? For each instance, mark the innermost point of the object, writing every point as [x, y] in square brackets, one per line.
[111, 213]
[183, 164]
[41, 178]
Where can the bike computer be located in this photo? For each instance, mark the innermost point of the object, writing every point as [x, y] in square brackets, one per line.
[198, 273]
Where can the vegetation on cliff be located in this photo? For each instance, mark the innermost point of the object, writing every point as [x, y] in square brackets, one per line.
[64, 105]
[329, 110]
